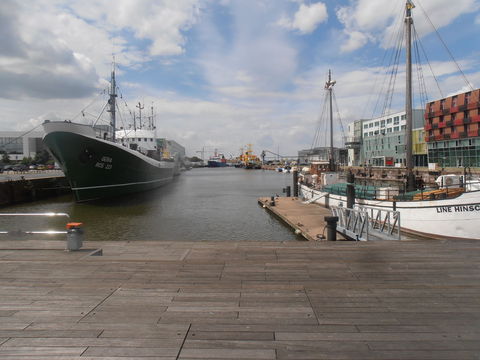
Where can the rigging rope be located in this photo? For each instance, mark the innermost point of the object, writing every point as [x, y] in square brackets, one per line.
[420, 44]
[319, 123]
[339, 118]
[101, 113]
[445, 46]
[420, 78]
[101, 93]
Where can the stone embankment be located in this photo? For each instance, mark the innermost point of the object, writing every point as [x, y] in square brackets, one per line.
[19, 188]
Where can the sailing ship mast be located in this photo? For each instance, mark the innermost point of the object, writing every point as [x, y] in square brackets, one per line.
[408, 98]
[329, 87]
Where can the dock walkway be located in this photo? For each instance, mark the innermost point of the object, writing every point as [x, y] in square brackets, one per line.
[306, 220]
[240, 300]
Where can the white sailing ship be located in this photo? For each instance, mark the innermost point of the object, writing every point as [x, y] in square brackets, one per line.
[451, 211]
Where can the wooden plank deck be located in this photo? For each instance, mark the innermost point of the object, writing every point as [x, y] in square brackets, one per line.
[306, 219]
[241, 300]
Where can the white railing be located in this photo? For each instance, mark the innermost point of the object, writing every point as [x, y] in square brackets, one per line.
[368, 223]
[74, 233]
[29, 232]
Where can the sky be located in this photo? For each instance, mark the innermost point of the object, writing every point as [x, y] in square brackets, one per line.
[221, 74]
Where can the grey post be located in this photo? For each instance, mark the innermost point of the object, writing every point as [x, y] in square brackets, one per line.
[350, 190]
[75, 235]
[331, 227]
[295, 183]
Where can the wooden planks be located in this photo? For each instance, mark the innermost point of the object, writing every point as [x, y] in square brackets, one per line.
[305, 219]
[242, 300]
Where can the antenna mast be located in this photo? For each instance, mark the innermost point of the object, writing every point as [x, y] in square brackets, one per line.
[140, 108]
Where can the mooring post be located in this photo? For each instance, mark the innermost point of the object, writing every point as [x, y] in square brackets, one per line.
[75, 236]
[295, 183]
[272, 201]
[331, 227]
[350, 190]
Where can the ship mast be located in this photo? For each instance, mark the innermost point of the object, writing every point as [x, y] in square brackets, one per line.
[408, 97]
[140, 107]
[329, 87]
[112, 102]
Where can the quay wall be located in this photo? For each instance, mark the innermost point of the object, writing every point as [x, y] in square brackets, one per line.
[24, 190]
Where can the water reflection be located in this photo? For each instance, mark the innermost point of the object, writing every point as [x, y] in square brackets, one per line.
[201, 204]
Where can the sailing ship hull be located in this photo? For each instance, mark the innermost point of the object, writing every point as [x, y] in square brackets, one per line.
[97, 168]
[455, 218]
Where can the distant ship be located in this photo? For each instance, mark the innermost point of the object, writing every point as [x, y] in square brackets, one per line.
[100, 162]
[217, 160]
[249, 160]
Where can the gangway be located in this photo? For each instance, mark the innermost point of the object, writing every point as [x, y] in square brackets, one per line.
[368, 223]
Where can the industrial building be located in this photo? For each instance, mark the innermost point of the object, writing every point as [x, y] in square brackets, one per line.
[323, 154]
[18, 144]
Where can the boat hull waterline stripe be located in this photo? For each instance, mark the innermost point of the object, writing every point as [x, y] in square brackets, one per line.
[118, 185]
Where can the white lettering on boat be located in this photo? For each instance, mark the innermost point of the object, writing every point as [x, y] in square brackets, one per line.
[458, 208]
[105, 163]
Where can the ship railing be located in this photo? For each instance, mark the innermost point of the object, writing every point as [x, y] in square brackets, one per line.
[314, 198]
[74, 232]
[367, 223]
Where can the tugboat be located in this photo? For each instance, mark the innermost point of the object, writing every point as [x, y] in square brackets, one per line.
[101, 162]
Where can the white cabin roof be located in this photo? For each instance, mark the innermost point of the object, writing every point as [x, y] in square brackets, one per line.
[130, 133]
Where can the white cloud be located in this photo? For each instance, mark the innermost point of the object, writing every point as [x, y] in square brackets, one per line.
[355, 40]
[306, 19]
[161, 21]
[255, 58]
[38, 64]
[376, 20]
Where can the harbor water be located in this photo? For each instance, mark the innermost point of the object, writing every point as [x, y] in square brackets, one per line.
[200, 204]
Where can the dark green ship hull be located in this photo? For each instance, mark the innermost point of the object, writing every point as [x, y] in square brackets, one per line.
[98, 168]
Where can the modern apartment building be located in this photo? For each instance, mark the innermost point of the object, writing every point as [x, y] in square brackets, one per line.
[452, 131]
[353, 143]
[383, 140]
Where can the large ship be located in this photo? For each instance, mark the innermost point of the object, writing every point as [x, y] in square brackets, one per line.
[217, 160]
[450, 211]
[101, 161]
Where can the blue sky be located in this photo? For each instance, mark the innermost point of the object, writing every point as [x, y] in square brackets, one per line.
[221, 73]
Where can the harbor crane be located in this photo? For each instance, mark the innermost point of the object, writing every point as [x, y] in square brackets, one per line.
[205, 150]
[279, 157]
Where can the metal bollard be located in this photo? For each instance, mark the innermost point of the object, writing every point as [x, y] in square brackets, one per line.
[288, 191]
[350, 190]
[75, 235]
[272, 201]
[331, 227]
